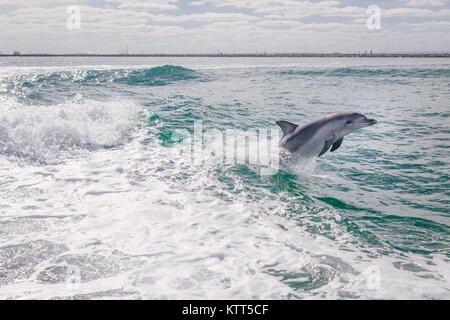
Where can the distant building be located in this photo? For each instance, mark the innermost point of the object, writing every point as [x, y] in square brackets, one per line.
[16, 53]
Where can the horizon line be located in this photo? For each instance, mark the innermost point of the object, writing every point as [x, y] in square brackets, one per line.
[335, 54]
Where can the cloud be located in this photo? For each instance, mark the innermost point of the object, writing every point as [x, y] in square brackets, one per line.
[426, 3]
[204, 17]
[198, 3]
[163, 5]
[18, 3]
[415, 12]
[427, 26]
[292, 9]
[229, 25]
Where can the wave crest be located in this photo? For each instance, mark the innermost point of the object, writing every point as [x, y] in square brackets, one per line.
[44, 134]
[157, 76]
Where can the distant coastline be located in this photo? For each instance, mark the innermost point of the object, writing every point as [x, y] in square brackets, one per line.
[250, 55]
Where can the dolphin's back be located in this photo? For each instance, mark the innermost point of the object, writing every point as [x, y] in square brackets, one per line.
[304, 134]
[301, 136]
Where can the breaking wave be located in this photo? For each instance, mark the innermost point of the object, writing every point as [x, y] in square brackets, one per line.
[157, 76]
[44, 133]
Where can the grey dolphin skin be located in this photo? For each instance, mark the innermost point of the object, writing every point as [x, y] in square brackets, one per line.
[317, 137]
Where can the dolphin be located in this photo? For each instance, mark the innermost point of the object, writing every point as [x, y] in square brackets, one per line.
[317, 137]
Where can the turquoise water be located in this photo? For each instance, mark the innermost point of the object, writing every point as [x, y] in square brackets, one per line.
[96, 203]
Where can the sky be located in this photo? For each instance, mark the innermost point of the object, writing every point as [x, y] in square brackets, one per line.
[228, 26]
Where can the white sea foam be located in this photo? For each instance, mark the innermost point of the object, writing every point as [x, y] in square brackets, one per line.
[136, 221]
[135, 231]
[44, 133]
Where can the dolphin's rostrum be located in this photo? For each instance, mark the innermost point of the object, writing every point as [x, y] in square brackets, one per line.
[317, 137]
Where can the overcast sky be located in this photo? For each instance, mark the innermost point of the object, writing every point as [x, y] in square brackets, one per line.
[229, 26]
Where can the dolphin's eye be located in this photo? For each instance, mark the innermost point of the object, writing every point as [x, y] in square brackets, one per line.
[349, 121]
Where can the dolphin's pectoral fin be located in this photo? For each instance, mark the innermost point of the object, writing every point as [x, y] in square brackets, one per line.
[337, 144]
[287, 127]
[327, 146]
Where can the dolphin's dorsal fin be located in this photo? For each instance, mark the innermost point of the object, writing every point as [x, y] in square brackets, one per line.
[287, 127]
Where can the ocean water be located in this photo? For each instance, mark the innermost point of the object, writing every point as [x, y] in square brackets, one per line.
[96, 203]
